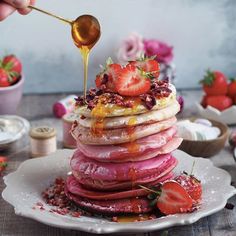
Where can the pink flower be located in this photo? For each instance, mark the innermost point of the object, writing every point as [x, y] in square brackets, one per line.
[131, 48]
[163, 51]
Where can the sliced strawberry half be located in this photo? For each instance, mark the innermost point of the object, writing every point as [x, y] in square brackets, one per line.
[148, 65]
[106, 79]
[132, 81]
[174, 199]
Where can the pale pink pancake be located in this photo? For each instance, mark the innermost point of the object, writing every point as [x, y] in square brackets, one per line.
[122, 135]
[127, 150]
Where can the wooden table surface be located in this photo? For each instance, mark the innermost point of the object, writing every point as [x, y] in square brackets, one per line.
[38, 110]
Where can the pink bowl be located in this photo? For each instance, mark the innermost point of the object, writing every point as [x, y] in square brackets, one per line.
[10, 98]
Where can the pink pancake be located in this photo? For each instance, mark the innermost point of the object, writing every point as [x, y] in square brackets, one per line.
[121, 135]
[109, 176]
[172, 145]
[76, 188]
[129, 150]
[112, 207]
[103, 185]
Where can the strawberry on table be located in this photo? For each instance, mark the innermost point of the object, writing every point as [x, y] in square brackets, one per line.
[147, 65]
[174, 199]
[132, 81]
[108, 76]
[219, 102]
[4, 81]
[191, 184]
[3, 163]
[214, 83]
[232, 88]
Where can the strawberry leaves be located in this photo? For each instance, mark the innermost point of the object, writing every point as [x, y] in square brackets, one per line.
[208, 78]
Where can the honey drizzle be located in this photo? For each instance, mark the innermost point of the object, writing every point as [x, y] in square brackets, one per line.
[84, 50]
[134, 218]
[132, 146]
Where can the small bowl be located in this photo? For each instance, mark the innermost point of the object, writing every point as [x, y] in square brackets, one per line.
[228, 116]
[206, 148]
[10, 98]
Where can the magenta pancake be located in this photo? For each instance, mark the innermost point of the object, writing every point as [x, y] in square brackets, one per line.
[101, 175]
[123, 151]
[112, 207]
[78, 189]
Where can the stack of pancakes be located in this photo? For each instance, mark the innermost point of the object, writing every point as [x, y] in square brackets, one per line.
[120, 149]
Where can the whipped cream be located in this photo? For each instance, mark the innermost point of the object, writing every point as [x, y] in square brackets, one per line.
[199, 130]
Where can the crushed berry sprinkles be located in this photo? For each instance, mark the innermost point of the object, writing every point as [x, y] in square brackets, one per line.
[159, 89]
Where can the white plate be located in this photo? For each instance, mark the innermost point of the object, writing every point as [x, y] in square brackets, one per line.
[12, 128]
[228, 116]
[24, 189]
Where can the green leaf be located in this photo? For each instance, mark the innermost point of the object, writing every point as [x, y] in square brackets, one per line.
[109, 61]
[8, 66]
[232, 79]
[143, 57]
[208, 78]
[151, 196]
[153, 202]
[3, 164]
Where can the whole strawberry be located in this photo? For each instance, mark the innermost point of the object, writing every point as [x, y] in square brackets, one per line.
[3, 163]
[220, 102]
[105, 80]
[4, 80]
[191, 184]
[147, 64]
[12, 63]
[214, 83]
[232, 88]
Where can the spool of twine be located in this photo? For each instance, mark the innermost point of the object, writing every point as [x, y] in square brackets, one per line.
[42, 141]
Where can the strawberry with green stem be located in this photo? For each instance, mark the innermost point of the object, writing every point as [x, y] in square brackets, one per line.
[12, 67]
[171, 199]
[147, 64]
[3, 163]
[214, 83]
[108, 76]
[178, 195]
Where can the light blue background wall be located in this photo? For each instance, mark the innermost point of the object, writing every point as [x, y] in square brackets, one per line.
[202, 32]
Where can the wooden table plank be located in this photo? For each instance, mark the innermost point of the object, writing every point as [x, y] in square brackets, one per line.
[38, 110]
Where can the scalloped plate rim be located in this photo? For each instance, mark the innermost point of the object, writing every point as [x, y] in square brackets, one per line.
[112, 227]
